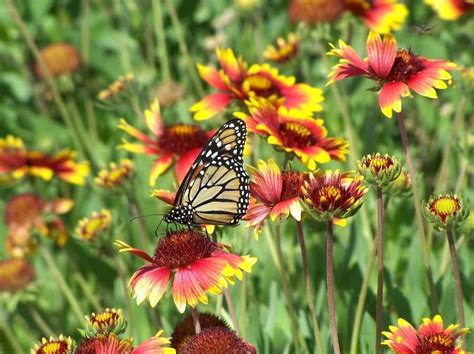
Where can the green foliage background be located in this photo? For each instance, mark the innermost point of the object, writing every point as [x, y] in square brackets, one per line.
[120, 38]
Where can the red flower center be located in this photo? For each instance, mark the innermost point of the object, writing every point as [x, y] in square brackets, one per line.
[445, 206]
[23, 209]
[216, 340]
[405, 66]
[438, 343]
[296, 135]
[261, 85]
[181, 138]
[54, 347]
[15, 274]
[292, 183]
[379, 163]
[185, 329]
[182, 248]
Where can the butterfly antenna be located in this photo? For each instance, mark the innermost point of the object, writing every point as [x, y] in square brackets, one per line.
[144, 216]
[156, 230]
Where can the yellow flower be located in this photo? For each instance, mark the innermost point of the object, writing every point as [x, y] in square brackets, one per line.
[89, 228]
[116, 175]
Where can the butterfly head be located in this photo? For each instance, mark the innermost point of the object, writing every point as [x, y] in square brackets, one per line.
[181, 214]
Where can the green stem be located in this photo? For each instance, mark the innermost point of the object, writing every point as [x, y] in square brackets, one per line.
[361, 302]
[39, 320]
[124, 283]
[160, 36]
[418, 213]
[10, 336]
[309, 290]
[275, 247]
[230, 305]
[330, 287]
[44, 69]
[184, 48]
[124, 54]
[60, 281]
[86, 289]
[457, 282]
[379, 303]
[85, 34]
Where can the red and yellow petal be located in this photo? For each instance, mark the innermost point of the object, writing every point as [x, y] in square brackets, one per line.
[210, 105]
[231, 65]
[184, 163]
[402, 339]
[381, 53]
[303, 97]
[257, 214]
[75, 173]
[164, 195]
[150, 282]
[385, 16]
[123, 125]
[153, 119]
[212, 77]
[186, 290]
[154, 345]
[350, 63]
[268, 183]
[159, 167]
[390, 97]
[286, 207]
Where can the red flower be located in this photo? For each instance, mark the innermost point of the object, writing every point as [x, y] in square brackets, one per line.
[285, 49]
[294, 132]
[451, 10]
[59, 58]
[193, 264]
[396, 71]
[431, 337]
[276, 193]
[382, 16]
[334, 196]
[16, 162]
[180, 142]
[237, 82]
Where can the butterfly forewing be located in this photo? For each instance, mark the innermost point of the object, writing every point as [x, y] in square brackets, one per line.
[216, 187]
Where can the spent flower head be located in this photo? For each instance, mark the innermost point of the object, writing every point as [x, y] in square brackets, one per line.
[15, 274]
[312, 12]
[60, 59]
[395, 71]
[89, 228]
[117, 88]
[238, 82]
[431, 337]
[379, 170]
[446, 211]
[284, 50]
[191, 262]
[334, 196]
[116, 176]
[61, 345]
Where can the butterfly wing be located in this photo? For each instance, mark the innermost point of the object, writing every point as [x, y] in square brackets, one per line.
[217, 186]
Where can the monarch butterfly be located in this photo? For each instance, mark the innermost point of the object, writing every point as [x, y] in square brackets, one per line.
[215, 191]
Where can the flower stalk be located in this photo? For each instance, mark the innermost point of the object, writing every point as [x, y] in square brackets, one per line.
[309, 290]
[379, 302]
[457, 281]
[197, 324]
[230, 306]
[330, 287]
[418, 213]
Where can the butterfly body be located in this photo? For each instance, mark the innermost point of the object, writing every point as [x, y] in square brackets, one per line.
[215, 191]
